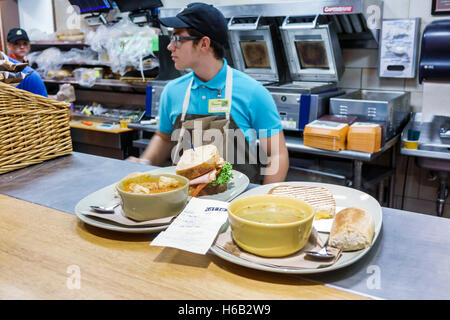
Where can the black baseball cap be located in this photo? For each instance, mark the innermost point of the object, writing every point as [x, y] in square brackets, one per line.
[202, 17]
[17, 34]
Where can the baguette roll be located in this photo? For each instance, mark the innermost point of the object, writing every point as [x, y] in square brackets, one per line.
[352, 229]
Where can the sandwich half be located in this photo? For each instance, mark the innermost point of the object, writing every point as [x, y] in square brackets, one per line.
[321, 199]
[208, 173]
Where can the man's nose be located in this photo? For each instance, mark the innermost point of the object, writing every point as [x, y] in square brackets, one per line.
[171, 46]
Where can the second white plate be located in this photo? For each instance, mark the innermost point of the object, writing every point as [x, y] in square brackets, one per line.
[345, 197]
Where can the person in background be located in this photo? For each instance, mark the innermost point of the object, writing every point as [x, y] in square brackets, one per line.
[199, 37]
[18, 45]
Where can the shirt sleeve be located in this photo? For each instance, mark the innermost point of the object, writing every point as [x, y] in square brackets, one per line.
[165, 123]
[34, 84]
[266, 119]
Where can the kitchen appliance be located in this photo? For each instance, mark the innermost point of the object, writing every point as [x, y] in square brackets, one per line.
[391, 109]
[300, 84]
[315, 64]
[307, 30]
[255, 50]
[153, 93]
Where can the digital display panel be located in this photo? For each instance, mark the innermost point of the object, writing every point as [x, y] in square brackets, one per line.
[87, 6]
[136, 5]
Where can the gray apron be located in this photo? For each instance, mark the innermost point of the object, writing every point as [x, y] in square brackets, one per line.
[194, 130]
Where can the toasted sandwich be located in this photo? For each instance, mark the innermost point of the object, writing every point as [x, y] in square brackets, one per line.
[208, 173]
[319, 198]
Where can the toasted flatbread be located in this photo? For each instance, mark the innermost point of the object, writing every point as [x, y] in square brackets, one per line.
[318, 197]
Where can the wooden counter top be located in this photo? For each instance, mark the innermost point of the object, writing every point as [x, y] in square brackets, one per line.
[42, 249]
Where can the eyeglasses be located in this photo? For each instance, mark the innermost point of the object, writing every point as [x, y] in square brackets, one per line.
[176, 39]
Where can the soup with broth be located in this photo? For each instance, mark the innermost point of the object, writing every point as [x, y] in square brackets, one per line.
[271, 213]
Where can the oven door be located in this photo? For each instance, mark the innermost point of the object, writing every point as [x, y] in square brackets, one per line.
[252, 52]
[313, 53]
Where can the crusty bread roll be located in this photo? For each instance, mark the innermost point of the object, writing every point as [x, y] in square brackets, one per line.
[196, 163]
[59, 73]
[321, 199]
[70, 35]
[352, 229]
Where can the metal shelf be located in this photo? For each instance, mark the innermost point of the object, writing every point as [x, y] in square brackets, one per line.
[101, 82]
[58, 43]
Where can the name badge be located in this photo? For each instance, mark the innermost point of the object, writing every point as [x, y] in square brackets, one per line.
[219, 106]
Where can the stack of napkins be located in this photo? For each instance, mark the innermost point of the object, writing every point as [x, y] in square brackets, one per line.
[326, 135]
[364, 137]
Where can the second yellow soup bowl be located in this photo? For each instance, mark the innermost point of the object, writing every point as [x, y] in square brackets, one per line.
[260, 225]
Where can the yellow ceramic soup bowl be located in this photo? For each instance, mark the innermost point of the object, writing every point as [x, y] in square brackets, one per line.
[270, 226]
[143, 207]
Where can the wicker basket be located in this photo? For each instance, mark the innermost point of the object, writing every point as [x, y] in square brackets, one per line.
[32, 128]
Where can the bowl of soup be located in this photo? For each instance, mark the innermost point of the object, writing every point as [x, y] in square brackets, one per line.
[269, 225]
[153, 196]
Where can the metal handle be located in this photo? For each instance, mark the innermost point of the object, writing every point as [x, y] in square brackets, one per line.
[297, 25]
[232, 25]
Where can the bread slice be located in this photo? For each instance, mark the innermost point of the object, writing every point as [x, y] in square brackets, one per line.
[352, 229]
[195, 163]
[318, 197]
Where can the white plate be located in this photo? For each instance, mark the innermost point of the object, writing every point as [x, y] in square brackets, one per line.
[344, 197]
[104, 196]
[236, 185]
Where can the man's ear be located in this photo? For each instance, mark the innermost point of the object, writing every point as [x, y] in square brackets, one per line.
[205, 43]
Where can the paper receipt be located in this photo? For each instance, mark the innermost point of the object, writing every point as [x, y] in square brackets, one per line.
[196, 226]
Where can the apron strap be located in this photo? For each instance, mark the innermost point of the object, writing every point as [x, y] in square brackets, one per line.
[229, 88]
[187, 97]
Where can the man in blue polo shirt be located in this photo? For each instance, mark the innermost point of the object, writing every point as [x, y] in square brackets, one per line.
[198, 40]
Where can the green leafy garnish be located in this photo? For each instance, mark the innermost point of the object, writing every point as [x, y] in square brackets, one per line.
[224, 176]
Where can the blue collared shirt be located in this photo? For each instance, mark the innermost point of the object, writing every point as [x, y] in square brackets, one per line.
[252, 105]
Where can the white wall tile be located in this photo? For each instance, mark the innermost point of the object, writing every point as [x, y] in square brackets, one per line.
[371, 80]
[360, 58]
[416, 101]
[413, 84]
[351, 78]
[393, 9]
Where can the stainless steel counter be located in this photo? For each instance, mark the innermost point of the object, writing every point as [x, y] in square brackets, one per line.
[295, 144]
[408, 261]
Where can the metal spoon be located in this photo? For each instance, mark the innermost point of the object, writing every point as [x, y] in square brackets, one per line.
[322, 253]
[104, 209]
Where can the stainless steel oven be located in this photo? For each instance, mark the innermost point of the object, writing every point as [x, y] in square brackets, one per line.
[312, 49]
[255, 49]
[315, 63]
